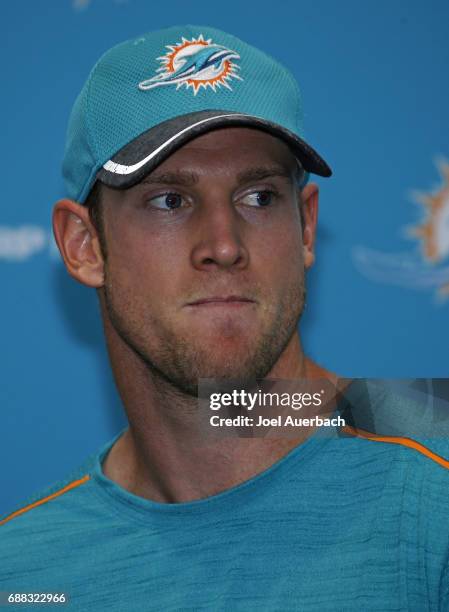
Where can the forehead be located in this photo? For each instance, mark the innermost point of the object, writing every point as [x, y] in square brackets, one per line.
[230, 147]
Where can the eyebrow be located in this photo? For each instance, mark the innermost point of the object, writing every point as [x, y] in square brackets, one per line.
[187, 179]
[257, 174]
[171, 178]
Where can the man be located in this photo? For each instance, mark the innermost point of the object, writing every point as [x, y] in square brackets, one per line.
[188, 209]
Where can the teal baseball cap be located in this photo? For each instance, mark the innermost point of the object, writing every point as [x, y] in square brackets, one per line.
[148, 96]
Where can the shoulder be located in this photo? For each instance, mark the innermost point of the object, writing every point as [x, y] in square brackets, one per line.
[400, 431]
[67, 500]
[56, 521]
[42, 530]
[40, 533]
[36, 510]
[403, 418]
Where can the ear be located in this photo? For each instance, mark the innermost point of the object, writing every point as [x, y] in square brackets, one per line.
[78, 243]
[309, 198]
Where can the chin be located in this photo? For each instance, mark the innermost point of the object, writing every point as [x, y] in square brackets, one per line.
[238, 365]
[235, 370]
[222, 349]
[225, 327]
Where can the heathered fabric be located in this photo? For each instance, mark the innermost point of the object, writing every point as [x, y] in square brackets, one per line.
[338, 524]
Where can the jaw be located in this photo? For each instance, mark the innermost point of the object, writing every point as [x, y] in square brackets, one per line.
[221, 344]
[182, 344]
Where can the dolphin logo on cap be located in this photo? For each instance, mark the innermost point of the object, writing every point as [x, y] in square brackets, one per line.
[195, 63]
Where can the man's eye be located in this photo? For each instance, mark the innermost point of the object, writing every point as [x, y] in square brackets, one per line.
[259, 198]
[167, 201]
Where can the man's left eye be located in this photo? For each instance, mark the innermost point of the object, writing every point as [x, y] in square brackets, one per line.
[259, 198]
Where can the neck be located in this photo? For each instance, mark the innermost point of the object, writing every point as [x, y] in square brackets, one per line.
[162, 455]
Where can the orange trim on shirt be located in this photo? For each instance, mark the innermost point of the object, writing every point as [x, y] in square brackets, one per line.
[408, 442]
[72, 485]
[398, 440]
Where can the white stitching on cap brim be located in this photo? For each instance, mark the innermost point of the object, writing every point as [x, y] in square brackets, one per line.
[116, 168]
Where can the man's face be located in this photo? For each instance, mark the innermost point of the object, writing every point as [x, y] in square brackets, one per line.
[205, 270]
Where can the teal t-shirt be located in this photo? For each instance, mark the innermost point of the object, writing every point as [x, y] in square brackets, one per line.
[341, 523]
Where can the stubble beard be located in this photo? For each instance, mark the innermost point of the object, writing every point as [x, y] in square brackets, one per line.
[181, 363]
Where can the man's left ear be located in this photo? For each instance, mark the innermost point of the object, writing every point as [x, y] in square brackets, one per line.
[309, 203]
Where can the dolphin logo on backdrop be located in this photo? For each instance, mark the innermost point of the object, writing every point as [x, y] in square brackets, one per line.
[195, 63]
[428, 268]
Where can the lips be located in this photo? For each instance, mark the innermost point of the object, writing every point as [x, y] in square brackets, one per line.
[221, 300]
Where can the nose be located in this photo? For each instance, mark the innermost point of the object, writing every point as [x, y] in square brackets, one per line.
[219, 242]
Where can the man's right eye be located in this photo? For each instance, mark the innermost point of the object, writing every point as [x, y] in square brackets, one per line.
[166, 201]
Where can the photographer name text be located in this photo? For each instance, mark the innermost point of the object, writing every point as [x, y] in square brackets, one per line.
[278, 421]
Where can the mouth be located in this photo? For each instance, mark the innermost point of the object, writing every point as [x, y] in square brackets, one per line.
[223, 301]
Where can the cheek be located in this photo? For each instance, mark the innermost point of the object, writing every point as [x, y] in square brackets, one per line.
[145, 265]
[280, 253]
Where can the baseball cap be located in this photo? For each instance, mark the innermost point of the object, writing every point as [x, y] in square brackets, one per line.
[148, 96]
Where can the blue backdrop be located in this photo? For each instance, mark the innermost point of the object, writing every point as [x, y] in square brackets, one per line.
[376, 93]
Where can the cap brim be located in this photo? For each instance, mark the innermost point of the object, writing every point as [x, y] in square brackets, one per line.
[144, 153]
